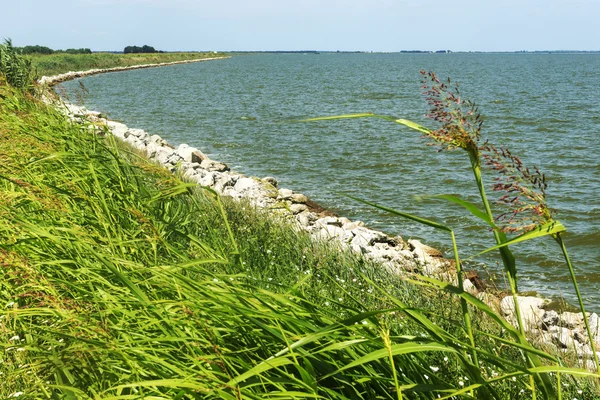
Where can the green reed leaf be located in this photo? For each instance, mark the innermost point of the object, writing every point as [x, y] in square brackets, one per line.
[549, 228]
[424, 221]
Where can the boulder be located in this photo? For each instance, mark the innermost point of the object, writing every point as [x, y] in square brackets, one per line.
[571, 320]
[298, 208]
[211, 165]
[365, 238]
[594, 322]
[530, 307]
[285, 194]
[564, 338]
[550, 318]
[325, 221]
[185, 152]
[298, 198]
[271, 181]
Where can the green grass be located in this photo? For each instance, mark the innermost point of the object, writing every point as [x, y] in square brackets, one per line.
[121, 281]
[54, 64]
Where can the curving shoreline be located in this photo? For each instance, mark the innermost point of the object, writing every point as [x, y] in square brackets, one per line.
[565, 330]
[67, 76]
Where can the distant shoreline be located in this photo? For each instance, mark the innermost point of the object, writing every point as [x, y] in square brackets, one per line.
[67, 76]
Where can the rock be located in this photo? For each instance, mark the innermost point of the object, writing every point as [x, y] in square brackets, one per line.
[271, 181]
[549, 319]
[298, 208]
[329, 232]
[564, 338]
[198, 156]
[118, 129]
[139, 133]
[325, 221]
[571, 320]
[364, 238]
[207, 180]
[185, 152]
[349, 226]
[158, 140]
[419, 248]
[469, 287]
[298, 198]
[211, 165]
[594, 322]
[530, 307]
[580, 336]
[245, 184]
[306, 219]
[285, 194]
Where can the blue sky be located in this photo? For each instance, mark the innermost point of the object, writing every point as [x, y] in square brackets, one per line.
[366, 25]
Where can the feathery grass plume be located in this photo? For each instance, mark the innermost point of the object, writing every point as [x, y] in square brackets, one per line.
[460, 119]
[524, 191]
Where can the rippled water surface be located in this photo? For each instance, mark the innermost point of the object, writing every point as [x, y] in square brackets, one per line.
[544, 107]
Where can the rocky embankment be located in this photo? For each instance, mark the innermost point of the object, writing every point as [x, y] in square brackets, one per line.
[566, 331]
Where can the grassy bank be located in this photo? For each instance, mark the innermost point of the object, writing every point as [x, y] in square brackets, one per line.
[121, 281]
[54, 64]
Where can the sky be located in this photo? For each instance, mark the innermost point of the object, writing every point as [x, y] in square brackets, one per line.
[345, 25]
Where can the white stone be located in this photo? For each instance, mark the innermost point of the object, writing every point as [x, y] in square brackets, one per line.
[530, 307]
[298, 208]
[118, 129]
[364, 238]
[185, 151]
[298, 198]
[246, 184]
[564, 338]
[285, 194]
[594, 322]
[211, 165]
[330, 232]
[469, 287]
[325, 221]
[571, 320]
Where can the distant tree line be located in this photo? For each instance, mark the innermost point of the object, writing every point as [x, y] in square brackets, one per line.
[143, 49]
[47, 50]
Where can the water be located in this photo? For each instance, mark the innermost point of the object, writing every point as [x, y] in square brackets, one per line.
[545, 107]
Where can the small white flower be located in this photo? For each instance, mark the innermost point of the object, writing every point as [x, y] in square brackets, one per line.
[579, 391]
[20, 349]
[365, 323]
[461, 383]
[9, 305]
[426, 376]
[215, 280]
[326, 303]
[268, 251]
[514, 378]
[434, 369]
[340, 299]
[270, 279]
[446, 359]
[15, 394]
[16, 337]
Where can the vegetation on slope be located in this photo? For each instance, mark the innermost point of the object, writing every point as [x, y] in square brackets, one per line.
[54, 64]
[119, 280]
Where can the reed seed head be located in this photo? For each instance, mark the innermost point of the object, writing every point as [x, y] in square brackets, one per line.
[524, 191]
[460, 119]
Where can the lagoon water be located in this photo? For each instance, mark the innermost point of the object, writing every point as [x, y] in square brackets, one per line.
[544, 107]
